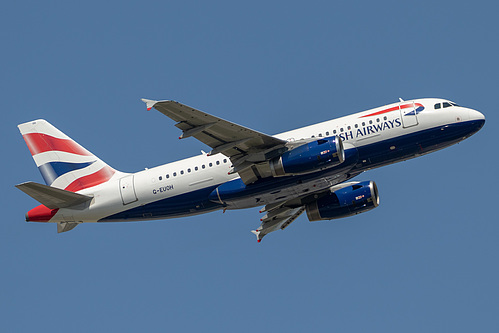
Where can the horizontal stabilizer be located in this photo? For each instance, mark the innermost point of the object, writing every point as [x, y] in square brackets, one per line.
[52, 197]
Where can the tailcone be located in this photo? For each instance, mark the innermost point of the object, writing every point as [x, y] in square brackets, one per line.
[40, 214]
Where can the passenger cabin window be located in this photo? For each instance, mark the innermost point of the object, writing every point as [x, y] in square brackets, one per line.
[438, 106]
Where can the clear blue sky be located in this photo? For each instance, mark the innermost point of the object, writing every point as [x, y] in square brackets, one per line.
[424, 261]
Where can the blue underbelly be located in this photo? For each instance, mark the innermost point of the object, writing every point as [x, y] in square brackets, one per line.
[191, 203]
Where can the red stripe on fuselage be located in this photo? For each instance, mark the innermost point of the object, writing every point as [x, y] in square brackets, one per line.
[39, 143]
[94, 179]
[395, 108]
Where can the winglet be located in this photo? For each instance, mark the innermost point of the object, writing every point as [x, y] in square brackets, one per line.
[258, 236]
[149, 103]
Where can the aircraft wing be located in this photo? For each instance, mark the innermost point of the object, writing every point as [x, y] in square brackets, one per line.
[245, 147]
[281, 214]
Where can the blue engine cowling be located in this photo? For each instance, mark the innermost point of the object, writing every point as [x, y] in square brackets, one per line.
[350, 200]
[313, 156]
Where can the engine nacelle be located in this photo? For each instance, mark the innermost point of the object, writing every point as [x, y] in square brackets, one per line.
[313, 156]
[351, 200]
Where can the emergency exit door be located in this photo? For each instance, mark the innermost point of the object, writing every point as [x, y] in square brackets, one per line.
[127, 190]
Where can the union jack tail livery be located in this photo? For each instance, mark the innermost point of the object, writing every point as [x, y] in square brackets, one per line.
[63, 163]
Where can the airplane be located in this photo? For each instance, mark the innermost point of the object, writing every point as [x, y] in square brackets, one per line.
[309, 169]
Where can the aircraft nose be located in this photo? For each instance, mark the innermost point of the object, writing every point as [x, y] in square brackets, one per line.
[477, 120]
[475, 115]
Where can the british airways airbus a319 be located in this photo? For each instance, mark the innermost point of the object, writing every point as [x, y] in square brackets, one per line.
[306, 169]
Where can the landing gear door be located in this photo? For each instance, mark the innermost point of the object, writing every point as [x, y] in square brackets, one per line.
[127, 190]
[408, 114]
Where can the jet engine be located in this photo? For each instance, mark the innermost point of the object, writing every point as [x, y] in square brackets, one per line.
[350, 200]
[313, 156]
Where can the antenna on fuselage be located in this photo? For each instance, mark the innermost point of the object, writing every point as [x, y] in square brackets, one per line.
[400, 99]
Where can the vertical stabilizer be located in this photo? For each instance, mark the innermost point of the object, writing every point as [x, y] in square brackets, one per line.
[62, 162]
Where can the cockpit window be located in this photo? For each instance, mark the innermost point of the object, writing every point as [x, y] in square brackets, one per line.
[445, 105]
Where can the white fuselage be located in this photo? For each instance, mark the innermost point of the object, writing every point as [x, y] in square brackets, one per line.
[192, 179]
